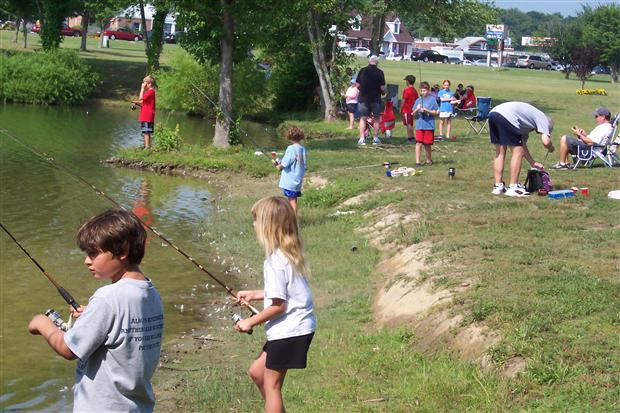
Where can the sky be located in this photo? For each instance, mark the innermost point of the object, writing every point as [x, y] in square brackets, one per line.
[565, 7]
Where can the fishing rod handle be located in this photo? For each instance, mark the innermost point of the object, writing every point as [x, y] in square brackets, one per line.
[68, 298]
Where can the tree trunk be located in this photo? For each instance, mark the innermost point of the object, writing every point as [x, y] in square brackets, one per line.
[85, 19]
[25, 32]
[321, 67]
[144, 32]
[377, 34]
[17, 22]
[157, 38]
[221, 139]
[101, 37]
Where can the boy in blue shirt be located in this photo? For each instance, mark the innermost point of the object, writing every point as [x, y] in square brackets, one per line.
[424, 110]
[293, 166]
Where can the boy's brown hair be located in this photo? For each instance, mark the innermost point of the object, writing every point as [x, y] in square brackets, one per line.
[115, 230]
[295, 134]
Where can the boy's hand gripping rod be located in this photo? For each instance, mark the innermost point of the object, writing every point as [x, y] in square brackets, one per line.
[154, 231]
[64, 293]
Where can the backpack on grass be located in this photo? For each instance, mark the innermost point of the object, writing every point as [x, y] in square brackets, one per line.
[538, 181]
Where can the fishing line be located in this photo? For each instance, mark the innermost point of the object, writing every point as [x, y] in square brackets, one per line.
[106, 196]
[64, 293]
[230, 119]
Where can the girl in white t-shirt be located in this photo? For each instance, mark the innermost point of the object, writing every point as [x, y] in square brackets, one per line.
[288, 311]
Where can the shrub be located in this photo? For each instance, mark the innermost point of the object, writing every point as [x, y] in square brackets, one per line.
[55, 77]
[193, 87]
[166, 139]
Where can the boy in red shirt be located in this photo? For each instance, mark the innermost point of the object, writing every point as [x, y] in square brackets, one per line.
[146, 101]
[410, 95]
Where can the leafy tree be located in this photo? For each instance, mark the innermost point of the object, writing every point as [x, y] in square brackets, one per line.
[103, 10]
[566, 36]
[448, 19]
[601, 28]
[54, 12]
[584, 57]
[24, 11]
[221, 32]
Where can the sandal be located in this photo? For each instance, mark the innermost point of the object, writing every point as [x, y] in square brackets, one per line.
[418, 164]
[429, 163]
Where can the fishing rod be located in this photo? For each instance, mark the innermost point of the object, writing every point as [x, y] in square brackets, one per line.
[113, 201]
[230, 119]
[64, 293]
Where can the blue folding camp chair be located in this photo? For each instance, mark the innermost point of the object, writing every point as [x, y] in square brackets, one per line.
[606, 151]
[478, 118]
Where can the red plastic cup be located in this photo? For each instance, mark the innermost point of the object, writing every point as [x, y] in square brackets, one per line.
[274, 154]
[585, 191]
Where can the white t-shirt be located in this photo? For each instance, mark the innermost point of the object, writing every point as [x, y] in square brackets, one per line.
[600, 132]
[117, 340]
[282, 281]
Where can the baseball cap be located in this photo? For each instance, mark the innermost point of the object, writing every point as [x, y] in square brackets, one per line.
[373, 58]
[601, 111]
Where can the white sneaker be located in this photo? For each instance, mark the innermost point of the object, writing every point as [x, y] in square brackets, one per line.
[498, 189]
[516, 190]
[376, 141]
[361, 142]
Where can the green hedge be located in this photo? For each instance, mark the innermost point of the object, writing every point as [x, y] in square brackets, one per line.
[58, 77]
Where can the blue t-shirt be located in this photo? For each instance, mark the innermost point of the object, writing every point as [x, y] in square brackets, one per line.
[445, 106]
[423, 120]
[294, 163]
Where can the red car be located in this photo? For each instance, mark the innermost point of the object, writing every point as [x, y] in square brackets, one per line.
[65, 31]
[122, 34]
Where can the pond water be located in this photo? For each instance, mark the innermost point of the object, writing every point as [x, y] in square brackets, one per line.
[42, 206]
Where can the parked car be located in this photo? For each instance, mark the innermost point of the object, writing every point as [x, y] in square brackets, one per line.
[64, 31]
[394, 56]
[416, 52]
[455, 60]
[557, 66]
[483, 62]
[431, 56]
[172, 37]
[467, 62]
[533, 62]
[122, 34]
[357, 51]
[601, 70]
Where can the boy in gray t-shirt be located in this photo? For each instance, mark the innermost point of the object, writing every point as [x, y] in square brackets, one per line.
[117, 337]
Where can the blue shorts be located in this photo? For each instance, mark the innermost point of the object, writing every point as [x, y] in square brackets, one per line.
[503, 132]
[291, 194]
[147, 127]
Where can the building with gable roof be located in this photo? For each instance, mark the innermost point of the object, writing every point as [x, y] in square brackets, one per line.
[397, 40]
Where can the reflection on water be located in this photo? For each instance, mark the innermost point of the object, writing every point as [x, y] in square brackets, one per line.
[43, 206]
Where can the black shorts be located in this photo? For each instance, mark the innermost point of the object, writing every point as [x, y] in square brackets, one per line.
[147, 127]
[288, 353]
[503, 132]
[374, 107]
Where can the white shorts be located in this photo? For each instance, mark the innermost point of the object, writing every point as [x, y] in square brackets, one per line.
[445, 115]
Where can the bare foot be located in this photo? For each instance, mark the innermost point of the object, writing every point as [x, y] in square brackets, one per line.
[349, 127]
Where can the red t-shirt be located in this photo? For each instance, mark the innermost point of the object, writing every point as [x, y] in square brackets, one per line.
[147, 112]
[410, 95]
[470, 101]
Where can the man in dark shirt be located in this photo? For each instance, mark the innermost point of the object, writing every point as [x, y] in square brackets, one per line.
[371, 83]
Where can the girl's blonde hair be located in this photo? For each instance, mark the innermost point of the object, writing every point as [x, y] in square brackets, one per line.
[275, 223]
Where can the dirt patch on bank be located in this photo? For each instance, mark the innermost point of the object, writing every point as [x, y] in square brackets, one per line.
[408, 295]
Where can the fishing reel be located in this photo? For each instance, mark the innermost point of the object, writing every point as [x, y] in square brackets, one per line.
[133, 106]
[57, 320]
[236, 318]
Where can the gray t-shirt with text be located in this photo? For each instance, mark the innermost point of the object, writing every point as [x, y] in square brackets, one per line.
[117, 340]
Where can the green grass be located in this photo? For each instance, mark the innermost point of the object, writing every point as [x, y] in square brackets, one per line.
[544, 272]
[121, 66]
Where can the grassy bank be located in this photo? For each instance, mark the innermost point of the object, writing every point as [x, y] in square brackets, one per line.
[544, 274]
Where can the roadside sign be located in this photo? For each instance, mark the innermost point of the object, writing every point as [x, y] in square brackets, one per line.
[495, 31]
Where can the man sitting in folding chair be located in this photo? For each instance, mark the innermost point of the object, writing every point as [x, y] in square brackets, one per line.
[585, 142]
